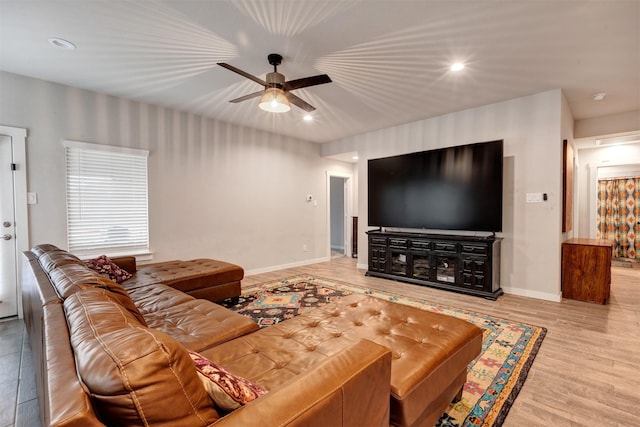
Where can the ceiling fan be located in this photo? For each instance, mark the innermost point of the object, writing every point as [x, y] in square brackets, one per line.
[277, 95]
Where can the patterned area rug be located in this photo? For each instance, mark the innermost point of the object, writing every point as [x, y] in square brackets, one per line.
[494, 379]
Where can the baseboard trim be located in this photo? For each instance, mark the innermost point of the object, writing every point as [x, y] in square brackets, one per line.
[362, 266]
[533, 294]
[284, 266]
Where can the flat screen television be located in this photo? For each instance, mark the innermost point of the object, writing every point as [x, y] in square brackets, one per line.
[454, 188]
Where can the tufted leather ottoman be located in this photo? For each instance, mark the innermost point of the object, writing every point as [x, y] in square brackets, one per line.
[201, 278]
[430, 351]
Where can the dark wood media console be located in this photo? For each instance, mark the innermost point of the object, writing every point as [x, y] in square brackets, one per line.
[465, 264]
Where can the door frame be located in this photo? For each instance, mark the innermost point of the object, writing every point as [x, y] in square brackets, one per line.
[347, 211]
[19, 153]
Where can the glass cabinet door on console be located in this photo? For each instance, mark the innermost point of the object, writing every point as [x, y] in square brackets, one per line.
[398, 254]
[446, 268]
[421, 265]
[446, 261]
[399, 262]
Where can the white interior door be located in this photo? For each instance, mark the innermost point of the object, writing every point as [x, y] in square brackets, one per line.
[8, 271]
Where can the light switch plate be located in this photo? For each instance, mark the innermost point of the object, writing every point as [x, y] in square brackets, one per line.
[32, 198]
[534, 197]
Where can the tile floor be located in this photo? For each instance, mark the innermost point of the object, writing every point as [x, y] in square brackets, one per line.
[19, 404]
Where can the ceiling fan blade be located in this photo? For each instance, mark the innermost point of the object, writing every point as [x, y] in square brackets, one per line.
[298, 102]
[243, 73]
[244, 98]
[307, 81]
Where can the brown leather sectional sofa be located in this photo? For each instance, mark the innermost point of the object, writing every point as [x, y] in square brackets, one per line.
[106, 354]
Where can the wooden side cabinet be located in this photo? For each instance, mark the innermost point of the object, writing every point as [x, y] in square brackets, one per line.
[586, 269]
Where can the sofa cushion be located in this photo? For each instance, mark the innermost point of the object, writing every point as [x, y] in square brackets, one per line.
[136, 375]
[43, 248]
[200, 324]
[56, 258]
[228, 391]
[157, 298]
[71, 278]
[104, 265]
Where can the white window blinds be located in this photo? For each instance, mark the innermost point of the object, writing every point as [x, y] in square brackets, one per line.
[107, 208]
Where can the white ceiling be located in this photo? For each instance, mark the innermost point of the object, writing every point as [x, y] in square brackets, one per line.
[388, 59]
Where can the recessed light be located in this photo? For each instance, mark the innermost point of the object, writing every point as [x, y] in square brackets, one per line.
[599, 96]
[308, 117]
[62, 43]
[457, 66]
[355, 158]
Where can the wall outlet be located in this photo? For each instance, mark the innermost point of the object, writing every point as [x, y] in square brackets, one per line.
[305, 248]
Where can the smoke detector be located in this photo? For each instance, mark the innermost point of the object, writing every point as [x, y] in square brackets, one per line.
[599, 96]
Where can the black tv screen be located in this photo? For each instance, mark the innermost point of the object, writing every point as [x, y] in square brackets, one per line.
[455, 188]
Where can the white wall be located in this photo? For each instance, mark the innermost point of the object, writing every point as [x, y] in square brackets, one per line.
[532, 129]
[215, 189]
[628, 121]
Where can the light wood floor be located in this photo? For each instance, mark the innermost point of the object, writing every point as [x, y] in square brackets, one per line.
[587, 372]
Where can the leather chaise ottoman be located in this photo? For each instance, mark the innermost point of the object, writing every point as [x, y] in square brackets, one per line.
[201, 278]
[430, 351]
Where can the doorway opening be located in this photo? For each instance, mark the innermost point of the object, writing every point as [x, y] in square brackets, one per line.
[339, 209]
[617, 216]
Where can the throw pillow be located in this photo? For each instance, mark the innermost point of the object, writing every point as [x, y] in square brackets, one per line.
[228, 391]
[104, 265]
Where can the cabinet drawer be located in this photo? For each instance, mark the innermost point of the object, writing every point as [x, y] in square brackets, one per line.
[445, 247]
[474, 249]
[398, 243]
[378, 240]
[417, 244]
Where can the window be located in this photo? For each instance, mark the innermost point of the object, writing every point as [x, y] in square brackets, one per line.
[107, 207]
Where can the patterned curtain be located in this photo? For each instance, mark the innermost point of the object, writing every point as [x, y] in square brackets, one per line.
[619, 214]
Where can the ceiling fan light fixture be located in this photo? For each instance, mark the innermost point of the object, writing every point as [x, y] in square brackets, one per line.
[274, 101]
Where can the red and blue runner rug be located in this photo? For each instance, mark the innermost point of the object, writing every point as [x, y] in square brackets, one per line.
[494, 378]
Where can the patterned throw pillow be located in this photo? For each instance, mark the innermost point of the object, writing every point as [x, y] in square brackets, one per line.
[104, 265]
[228, 391]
